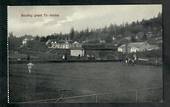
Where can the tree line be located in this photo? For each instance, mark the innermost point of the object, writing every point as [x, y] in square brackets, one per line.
[108, 33]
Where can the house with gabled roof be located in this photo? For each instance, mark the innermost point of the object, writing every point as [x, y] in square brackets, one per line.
[62, 44]
[137, 47]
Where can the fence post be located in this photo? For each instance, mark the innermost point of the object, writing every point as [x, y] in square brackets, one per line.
[136, 95]
[96, 98]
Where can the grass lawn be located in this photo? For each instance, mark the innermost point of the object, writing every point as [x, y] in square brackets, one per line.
[53, 80]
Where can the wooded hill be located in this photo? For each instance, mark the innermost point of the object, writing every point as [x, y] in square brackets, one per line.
[109, 34]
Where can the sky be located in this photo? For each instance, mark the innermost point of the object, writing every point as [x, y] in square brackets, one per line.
[45, 20]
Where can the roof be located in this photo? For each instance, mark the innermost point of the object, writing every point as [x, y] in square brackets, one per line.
[58, 41]
[98, 46]
[76, 48]
[141, 45]
[138, 44]
[75, 42]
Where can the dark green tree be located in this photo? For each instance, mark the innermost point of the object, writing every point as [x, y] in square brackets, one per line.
[72, 34]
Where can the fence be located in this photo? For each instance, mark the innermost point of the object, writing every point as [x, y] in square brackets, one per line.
[127, 96]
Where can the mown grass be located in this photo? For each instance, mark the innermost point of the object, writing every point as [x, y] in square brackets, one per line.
[54, 80]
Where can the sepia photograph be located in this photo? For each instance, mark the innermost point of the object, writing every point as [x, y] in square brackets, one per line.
[85, 54]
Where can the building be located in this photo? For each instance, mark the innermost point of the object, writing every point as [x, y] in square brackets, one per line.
[52, 43]
[62, 44]
[140, 36]
[136, 47]
[99, 51]
[149, 34]
[77, 52]
[76, 44]
[25, 40]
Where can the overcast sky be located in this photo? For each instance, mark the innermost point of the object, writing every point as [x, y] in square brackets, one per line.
[79, 17]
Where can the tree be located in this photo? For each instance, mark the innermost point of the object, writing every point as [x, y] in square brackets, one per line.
[36, 45]
[72, 33]
[109, 39]
[37, 38]
[133, 39]
[43, 39]
[144, 37]
[14, 42]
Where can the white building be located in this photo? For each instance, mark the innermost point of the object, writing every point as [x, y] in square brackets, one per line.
[24, 41]
[52, 43]
[76, 44]
[77, 52]
[136, 47]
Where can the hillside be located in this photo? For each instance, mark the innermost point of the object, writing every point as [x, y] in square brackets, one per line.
[146, 30]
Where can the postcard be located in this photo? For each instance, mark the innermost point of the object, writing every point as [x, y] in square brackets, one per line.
[85, 53]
